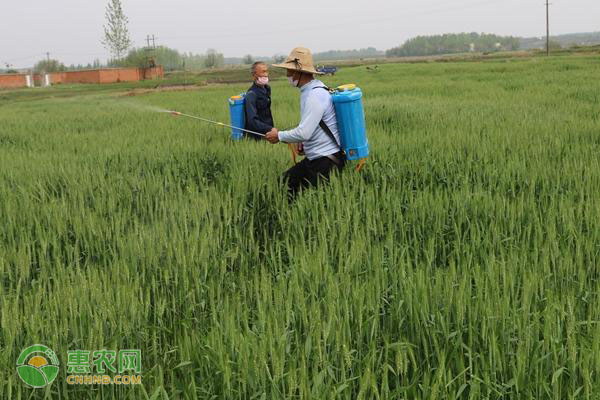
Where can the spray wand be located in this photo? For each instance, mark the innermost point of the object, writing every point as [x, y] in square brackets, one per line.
[179, 114]
[292, 148]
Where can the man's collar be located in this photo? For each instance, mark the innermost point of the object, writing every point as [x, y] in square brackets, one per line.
[308, 85]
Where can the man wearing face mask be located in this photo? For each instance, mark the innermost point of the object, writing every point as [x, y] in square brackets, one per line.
[317, 133]
[258, 102]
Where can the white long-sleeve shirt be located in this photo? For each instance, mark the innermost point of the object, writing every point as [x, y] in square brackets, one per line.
[315, 105]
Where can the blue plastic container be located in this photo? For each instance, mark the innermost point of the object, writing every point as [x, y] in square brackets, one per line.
[237, 115]
[347, 100]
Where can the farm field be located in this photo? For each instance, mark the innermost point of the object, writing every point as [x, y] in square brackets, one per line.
[463, 262]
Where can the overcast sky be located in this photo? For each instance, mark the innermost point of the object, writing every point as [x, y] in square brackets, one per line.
[71, 30]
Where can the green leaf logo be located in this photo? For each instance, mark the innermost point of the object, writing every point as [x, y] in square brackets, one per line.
[37, 366]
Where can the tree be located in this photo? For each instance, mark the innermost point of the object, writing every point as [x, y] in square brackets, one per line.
[45, 66]
[248, 59]
[369, 52]
[555, 45]
[278, 58]
[213, 59]
[453, 43]
[170, 59]
[194, 61]
[116, 35]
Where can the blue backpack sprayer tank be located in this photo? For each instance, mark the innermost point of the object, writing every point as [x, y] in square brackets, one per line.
[237, 116]
[349, 111]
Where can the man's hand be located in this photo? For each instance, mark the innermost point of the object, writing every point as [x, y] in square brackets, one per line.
[301, 149]
[273, 136]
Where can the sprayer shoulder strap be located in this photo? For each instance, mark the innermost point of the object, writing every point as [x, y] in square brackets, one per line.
[324, 126]
[324, 87]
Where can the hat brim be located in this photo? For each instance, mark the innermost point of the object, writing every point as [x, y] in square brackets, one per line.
[291, 66]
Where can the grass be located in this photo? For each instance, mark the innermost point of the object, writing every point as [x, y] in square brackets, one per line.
[462, 263]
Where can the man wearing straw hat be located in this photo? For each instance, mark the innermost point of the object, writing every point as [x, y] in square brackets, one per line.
[317, 134]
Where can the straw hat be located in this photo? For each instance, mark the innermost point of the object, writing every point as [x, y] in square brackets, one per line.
[300, 59]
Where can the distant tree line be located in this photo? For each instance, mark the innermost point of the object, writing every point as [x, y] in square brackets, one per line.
[248, 59]
[170, 59]
[45, 66]
[453, 43]
[369, 52]
[558, 41]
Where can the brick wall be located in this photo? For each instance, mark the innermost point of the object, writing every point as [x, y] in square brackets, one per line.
[153, 73]
[13, 81]
[90, 76]
[107, 75]
[119, 75]
[57, 77]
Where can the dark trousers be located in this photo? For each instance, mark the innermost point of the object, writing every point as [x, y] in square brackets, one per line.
[310, 172]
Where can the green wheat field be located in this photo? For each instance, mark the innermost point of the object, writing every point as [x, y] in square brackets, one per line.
[463, 262]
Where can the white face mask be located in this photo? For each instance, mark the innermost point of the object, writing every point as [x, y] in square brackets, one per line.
[262, 80]
[292, 81]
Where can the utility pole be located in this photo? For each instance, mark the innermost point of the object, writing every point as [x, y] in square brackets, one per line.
[148, 39]
[547, 28]
[150, 51]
